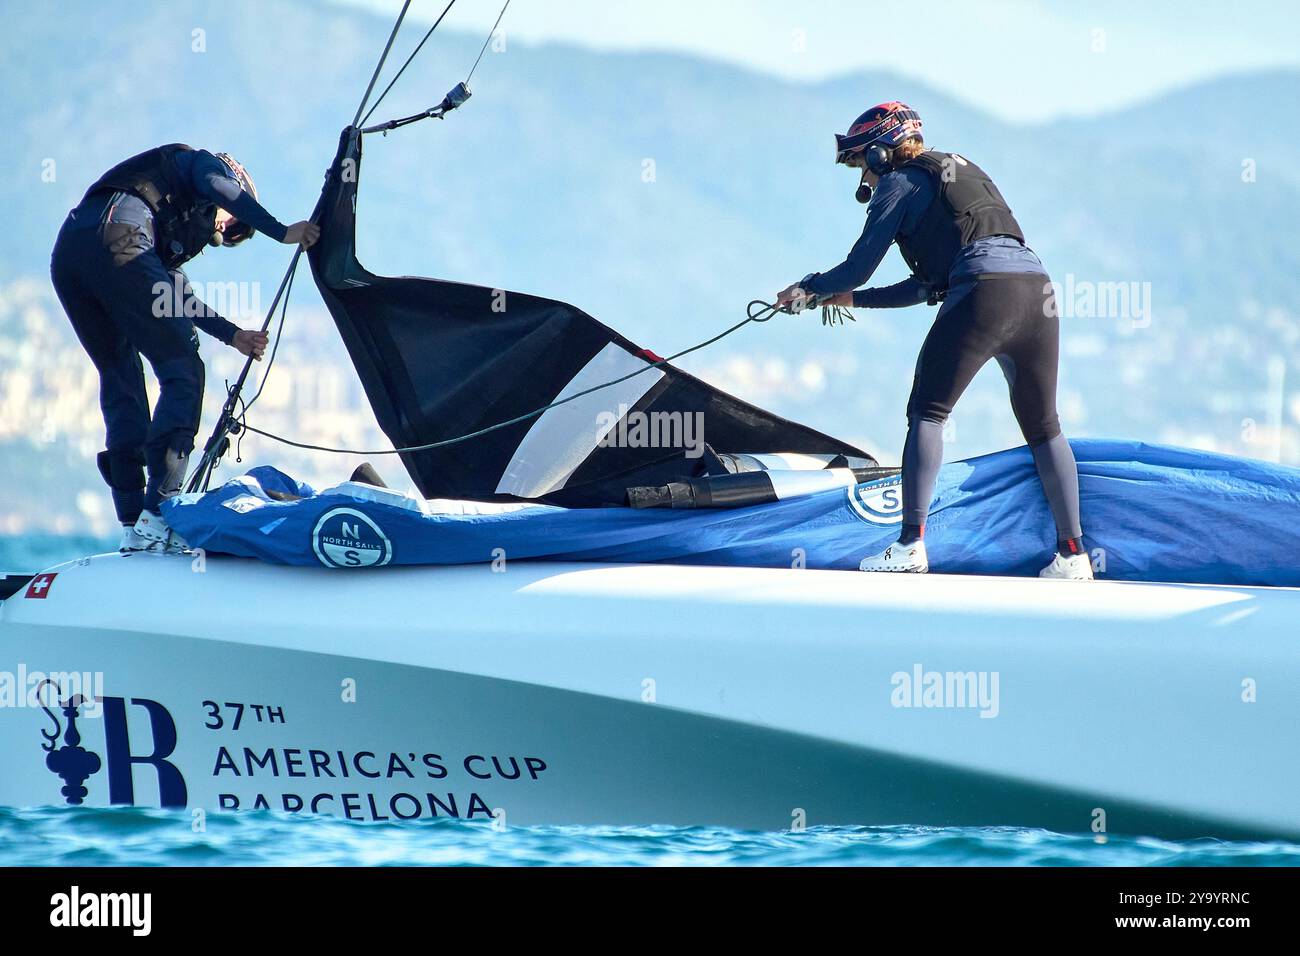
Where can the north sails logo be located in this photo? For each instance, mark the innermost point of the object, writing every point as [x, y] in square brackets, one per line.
[72, 763]
[346, 538]
[878, 502]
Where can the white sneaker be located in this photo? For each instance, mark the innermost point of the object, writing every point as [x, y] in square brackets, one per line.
[1077, 567]
[899, 557]
[134, 541]
[152, 528]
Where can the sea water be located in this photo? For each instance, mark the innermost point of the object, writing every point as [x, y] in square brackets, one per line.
[79, 836]
[143, 837]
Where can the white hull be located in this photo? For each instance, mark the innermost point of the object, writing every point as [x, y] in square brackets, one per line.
[662, 694]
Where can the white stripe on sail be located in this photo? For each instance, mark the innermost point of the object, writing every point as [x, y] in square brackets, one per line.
[562, 438]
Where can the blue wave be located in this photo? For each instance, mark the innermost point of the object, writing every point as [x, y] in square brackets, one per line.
[144, 837]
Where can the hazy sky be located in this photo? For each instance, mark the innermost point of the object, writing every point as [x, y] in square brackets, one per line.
[1030, 58]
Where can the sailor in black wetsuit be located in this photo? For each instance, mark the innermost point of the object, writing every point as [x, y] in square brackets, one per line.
[965, 249]
[116, 268]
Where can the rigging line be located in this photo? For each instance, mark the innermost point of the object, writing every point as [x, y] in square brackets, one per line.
[762, 315]
[491, 33]
[279, 333]
[374, 106]
[213, 450]
[380, 65]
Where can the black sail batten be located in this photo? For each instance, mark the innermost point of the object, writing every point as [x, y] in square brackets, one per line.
[440, 359]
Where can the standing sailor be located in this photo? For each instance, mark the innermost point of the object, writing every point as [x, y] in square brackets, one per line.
[965, 249]
[116, 268]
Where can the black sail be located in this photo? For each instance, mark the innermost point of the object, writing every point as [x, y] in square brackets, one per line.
[441, 359]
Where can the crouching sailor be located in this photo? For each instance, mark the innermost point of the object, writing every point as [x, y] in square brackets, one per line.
[965, 249]
[116, 269]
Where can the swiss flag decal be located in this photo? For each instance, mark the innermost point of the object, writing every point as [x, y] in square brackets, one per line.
[40, 586]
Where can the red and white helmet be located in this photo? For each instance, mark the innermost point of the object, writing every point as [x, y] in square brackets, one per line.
[885, 126]
[237, 231]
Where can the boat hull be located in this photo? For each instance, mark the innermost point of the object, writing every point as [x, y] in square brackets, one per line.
[588, 694]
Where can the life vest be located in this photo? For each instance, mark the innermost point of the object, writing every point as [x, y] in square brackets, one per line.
[184, 223]
[966, 206]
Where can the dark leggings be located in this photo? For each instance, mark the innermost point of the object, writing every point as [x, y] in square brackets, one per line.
[1011, 318]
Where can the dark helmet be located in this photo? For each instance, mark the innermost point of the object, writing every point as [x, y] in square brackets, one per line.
[236, 232]
[876, 132]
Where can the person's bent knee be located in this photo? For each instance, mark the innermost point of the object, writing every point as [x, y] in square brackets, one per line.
[181, 379]
[180, 401]
[1044, 433]
[122, 468]
[183, 369]
[927, 412]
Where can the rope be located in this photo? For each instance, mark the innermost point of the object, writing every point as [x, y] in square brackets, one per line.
[286, 285]
[491, 33]
[218, 441]
[212, 449]
[417, 49]
[239, 421]
[383, 57]
[763, 314]
[279, 332]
